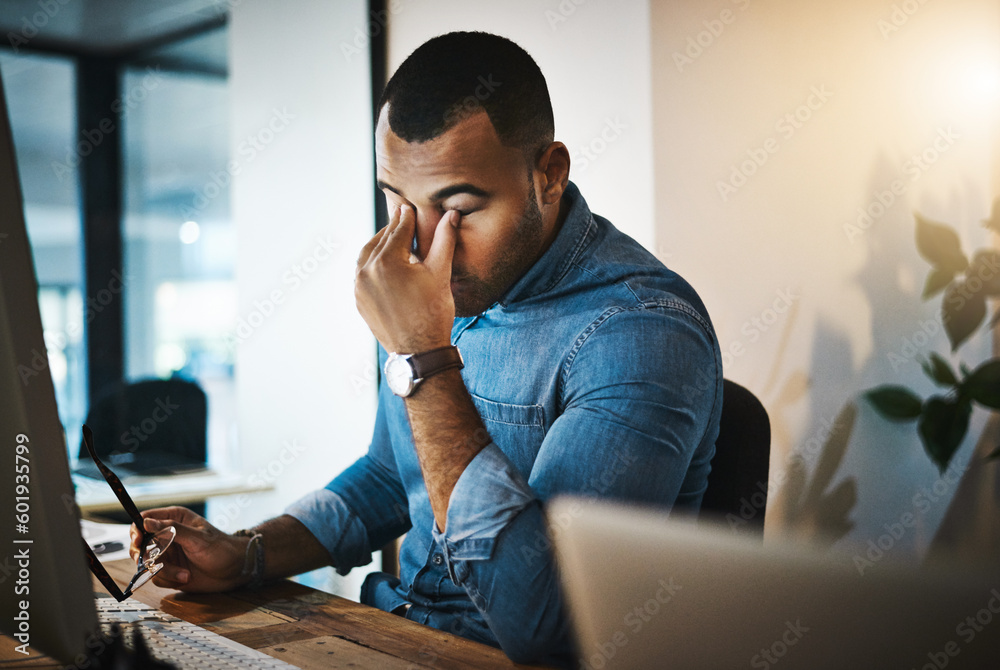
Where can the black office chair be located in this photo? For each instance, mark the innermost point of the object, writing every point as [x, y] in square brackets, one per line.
[737, 485]
[152, 427]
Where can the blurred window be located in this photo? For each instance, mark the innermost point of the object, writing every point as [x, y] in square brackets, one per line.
[179, 238]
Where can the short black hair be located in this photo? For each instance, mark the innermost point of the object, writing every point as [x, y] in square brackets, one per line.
[455, 75]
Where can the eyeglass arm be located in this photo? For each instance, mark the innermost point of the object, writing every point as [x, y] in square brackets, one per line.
[133, 512]
[98, 569]
[115, 483]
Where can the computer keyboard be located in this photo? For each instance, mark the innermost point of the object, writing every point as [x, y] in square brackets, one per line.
[178, 642]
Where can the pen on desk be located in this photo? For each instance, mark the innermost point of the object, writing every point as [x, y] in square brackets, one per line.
[108, 547]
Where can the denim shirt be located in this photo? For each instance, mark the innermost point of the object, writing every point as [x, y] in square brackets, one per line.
[598, 374]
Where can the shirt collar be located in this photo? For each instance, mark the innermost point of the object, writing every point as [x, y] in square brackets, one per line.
[577, 231]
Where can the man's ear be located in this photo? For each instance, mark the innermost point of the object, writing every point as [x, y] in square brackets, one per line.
[554, 167]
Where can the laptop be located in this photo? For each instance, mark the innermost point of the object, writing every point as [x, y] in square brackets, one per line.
[48, 604]
[645, 591]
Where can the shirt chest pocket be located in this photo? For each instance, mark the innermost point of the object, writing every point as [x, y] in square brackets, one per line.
[518, 430]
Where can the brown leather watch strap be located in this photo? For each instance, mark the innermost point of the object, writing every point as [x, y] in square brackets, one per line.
[436, 360]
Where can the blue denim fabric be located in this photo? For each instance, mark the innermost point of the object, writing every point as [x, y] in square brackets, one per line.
[597, 374]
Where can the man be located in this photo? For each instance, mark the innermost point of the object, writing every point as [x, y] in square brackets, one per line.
[589, 369]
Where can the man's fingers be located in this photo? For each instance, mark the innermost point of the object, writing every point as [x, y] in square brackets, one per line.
[172, 577]
[150, 525]
[156, 525]
[399, 239]
[366, 250]
[385, 234]
[172, 513]
[151, 518]
[188, 538]
[370, 248]
[443, 245]
[136, 537]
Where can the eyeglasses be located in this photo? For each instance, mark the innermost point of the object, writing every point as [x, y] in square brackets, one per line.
[153, 544]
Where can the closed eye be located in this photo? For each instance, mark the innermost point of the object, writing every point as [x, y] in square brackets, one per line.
[462, 212]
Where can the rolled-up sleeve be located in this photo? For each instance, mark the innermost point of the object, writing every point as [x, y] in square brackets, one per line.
[486, 498]
[336, 526]
[632, 428]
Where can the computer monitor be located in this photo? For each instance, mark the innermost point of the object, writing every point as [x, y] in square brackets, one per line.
[47, 601]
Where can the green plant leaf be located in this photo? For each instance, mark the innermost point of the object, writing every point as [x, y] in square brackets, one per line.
[928, 369]
[965, 369]
[939, 245]
[962, 310]
[937, 280]
[942, 426]
[895, 402]
[983, 385]
[939, 371]
[985, 268]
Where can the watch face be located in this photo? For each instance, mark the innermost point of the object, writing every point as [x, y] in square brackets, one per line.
[399, 375]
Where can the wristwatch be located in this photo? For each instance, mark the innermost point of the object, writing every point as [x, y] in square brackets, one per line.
[404, 372]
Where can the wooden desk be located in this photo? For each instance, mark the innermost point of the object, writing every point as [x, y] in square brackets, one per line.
[308, 628]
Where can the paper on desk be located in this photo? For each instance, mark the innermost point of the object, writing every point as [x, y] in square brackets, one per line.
[103, 534]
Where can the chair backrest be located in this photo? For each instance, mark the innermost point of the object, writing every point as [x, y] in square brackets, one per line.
[737, 484]
[150, 427]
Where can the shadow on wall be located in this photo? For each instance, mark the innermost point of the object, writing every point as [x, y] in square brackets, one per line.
[854, 497]
[812, 508]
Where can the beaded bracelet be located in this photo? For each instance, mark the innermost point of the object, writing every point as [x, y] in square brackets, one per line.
[253, 566]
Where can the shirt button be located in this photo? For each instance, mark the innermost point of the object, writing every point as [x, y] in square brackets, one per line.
[437, 559]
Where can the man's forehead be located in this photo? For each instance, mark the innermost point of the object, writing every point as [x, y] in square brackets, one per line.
[470, 151]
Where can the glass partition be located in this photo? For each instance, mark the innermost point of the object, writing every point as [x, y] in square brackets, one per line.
[179, 238]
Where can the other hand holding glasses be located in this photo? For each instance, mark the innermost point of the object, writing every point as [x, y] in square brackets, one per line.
[148, 563]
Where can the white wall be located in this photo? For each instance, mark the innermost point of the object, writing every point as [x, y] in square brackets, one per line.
[305, 374]
[596, 60]
[887, 95]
